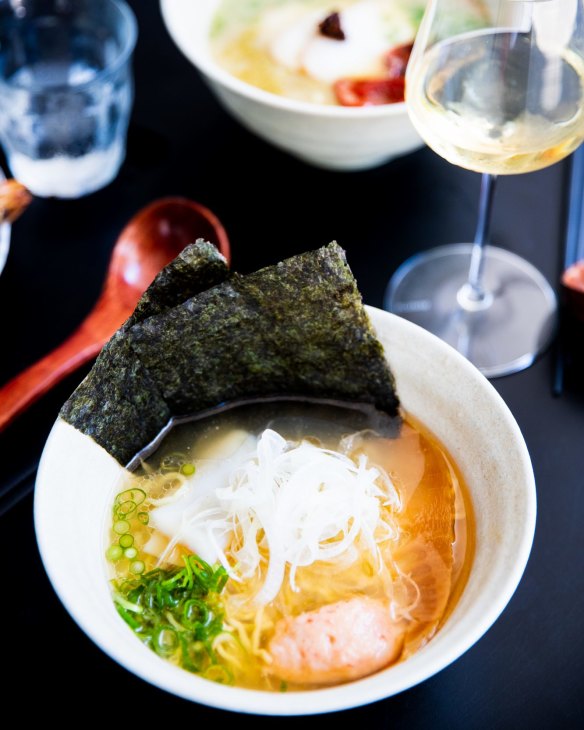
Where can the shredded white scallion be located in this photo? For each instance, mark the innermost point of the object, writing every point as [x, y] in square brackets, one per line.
[295, 503]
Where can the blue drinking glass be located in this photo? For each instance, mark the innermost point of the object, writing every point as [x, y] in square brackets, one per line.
[66, 92]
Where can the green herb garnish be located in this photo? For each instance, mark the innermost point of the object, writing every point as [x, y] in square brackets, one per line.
[187, 469]
[177, 613]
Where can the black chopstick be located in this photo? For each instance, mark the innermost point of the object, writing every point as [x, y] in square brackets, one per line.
[16, 490]
[575, 229]
[573, 251]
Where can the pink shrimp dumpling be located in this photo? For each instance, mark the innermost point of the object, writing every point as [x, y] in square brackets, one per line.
[335, 643]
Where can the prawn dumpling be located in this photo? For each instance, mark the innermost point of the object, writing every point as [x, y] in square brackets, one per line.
[335, 643]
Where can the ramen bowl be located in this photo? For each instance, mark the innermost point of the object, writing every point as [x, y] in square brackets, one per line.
[77, 480]
[333, 137]
[4, 237]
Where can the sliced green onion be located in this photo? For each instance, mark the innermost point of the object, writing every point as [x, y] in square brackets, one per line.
[173, 462]
[220, 578]
[165, 640]
[143, 517]
[126, 540]
[128, 618]
[218, 673]
[195, 614]
[188, 578]
[187, 469]
[121, 527]
[126, 508]
[203, 573]
[173, 622]
[194, 654]
[114, 552]
[176, 612]
[128, 605]
[131, 495]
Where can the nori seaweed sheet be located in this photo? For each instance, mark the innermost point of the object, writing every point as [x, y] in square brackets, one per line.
[198, 266]
[119, 404]
[296, 328]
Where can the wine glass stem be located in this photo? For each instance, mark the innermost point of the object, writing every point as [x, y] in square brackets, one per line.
[472, 296]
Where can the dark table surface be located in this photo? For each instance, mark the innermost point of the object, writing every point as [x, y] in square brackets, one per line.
[528, 670]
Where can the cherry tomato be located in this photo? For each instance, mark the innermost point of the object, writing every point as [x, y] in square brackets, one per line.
[373, 92]
[396, 60]
[369, 92]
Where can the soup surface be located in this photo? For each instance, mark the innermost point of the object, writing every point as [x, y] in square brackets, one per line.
[287, 545]
[304, 49]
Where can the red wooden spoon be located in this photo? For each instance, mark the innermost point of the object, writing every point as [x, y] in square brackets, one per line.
[152, 238]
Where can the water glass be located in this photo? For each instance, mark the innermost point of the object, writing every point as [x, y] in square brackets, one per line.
[65, 92]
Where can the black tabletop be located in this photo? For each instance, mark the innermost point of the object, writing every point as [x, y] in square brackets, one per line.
[528, 670]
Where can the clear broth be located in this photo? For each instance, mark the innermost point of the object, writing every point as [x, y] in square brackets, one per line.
[436, 529]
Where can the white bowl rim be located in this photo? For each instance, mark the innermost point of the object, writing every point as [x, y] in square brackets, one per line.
[171, 10]
[5, 230]
[421, 666]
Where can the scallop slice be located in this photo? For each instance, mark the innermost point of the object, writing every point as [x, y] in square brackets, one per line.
[360, 54]
[224, 445]
[189, 520]
[286, 32]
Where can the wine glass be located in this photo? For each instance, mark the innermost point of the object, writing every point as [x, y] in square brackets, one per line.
[497, 88]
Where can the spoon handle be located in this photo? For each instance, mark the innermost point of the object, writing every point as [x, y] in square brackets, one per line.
[31, 384]
[84, 344]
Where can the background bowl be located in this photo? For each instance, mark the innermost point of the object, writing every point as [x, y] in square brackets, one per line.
[4, 236]
[338, 138]
[77, 481]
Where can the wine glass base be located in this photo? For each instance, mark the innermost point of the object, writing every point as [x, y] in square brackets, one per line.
[502, 338]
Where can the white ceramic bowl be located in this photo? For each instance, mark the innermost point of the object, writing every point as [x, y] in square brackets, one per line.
[77, 481]
[4, 236]
[338, 138]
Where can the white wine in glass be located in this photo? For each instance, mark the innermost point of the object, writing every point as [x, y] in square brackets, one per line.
[498, 91]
